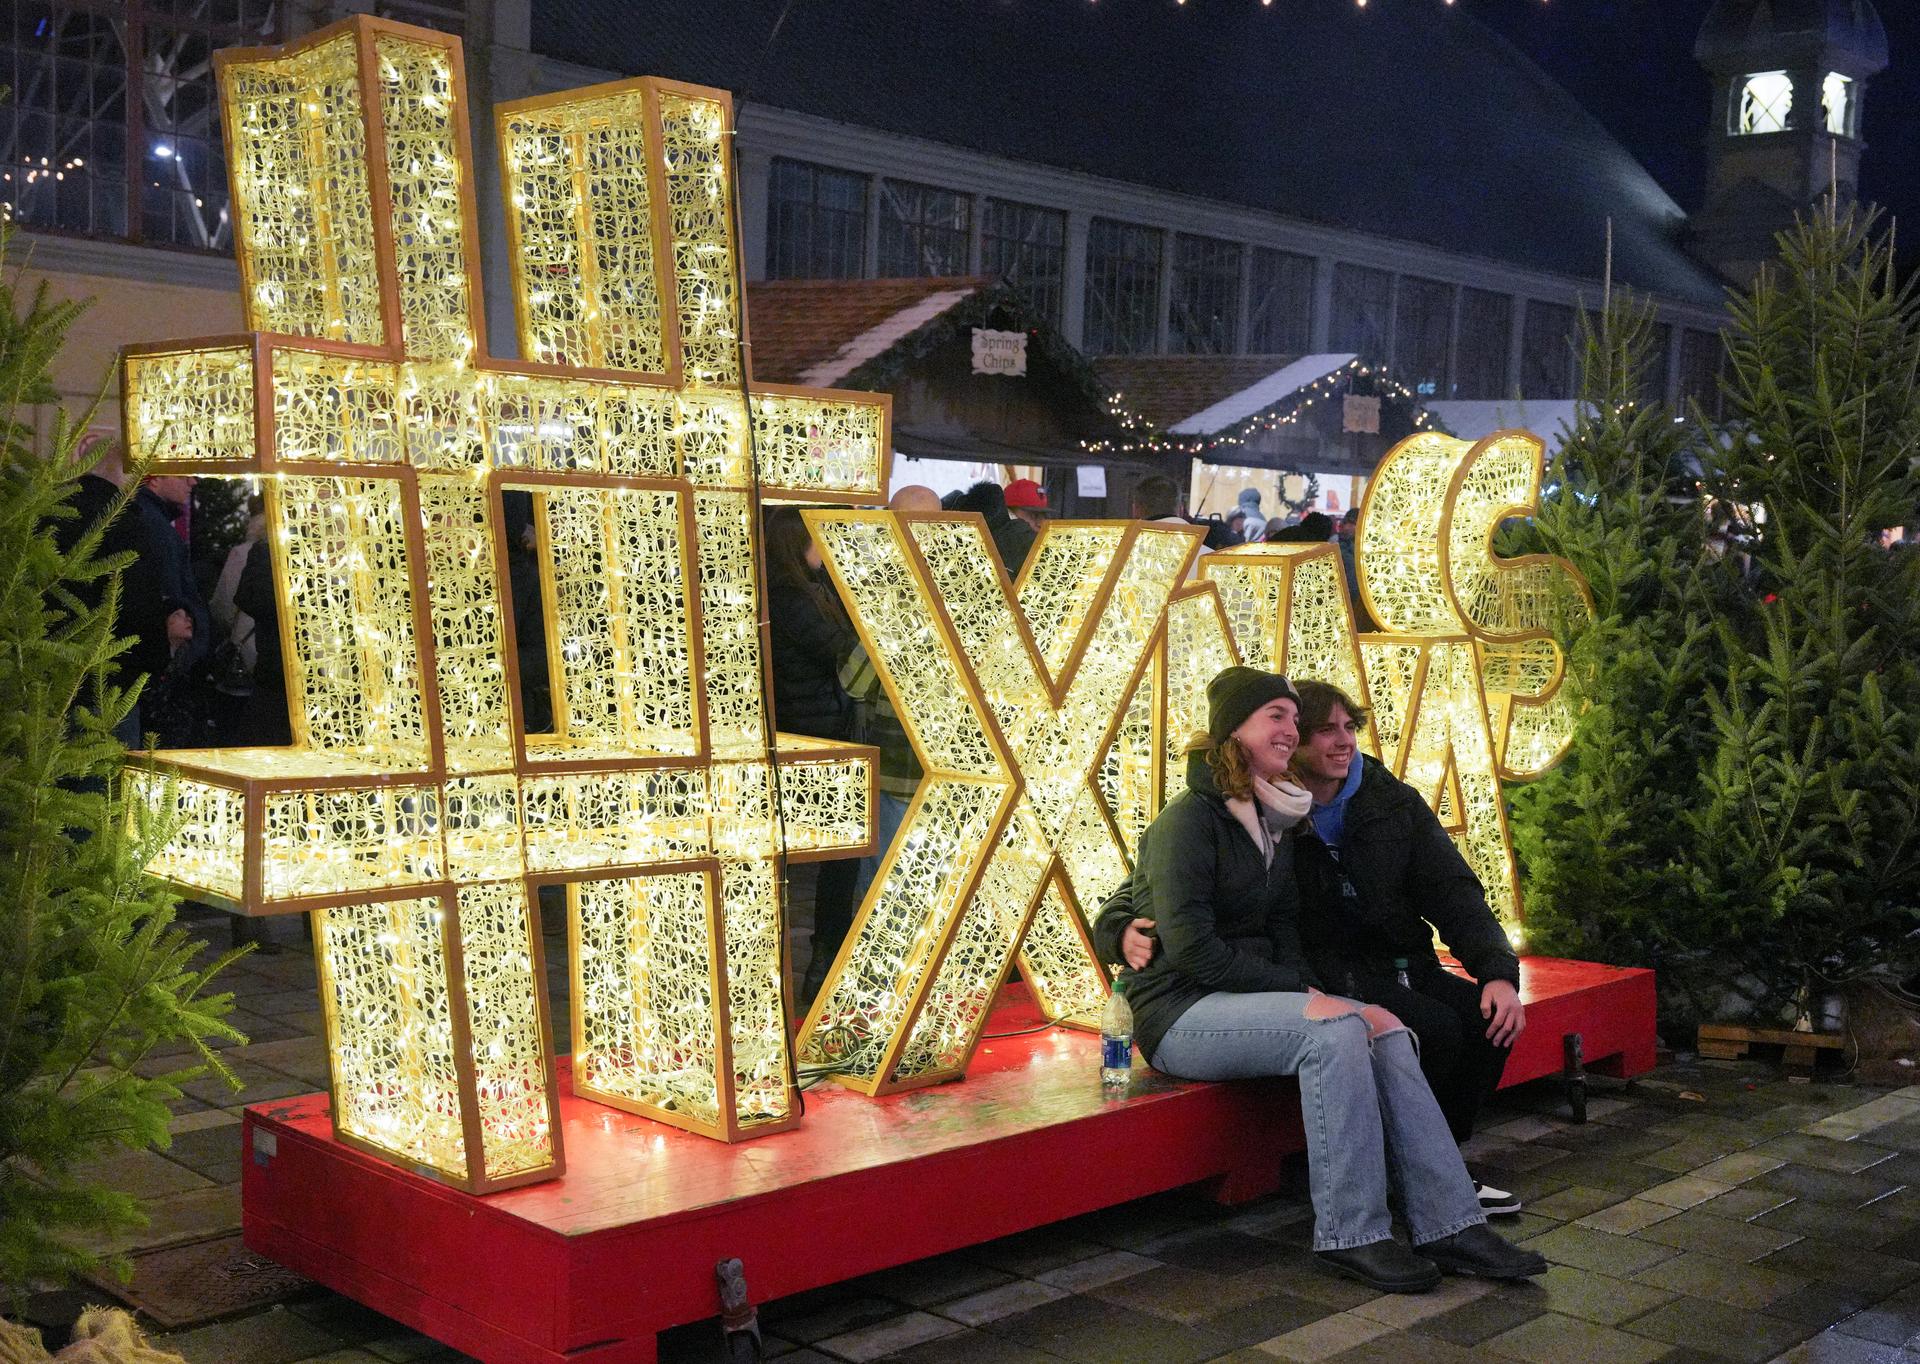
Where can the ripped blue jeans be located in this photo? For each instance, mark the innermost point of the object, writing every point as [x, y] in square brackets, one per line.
[1372, 1123]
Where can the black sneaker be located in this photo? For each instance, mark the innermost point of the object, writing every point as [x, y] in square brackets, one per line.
[1496, 1202]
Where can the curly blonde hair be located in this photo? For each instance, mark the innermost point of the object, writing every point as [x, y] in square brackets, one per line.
[1227, 760]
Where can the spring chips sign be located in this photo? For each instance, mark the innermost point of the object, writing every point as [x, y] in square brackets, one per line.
[416, 816]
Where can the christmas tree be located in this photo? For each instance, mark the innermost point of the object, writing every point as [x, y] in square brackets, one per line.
[95, 976]
[1740, 806]
[1600, 838]
[1807, 826]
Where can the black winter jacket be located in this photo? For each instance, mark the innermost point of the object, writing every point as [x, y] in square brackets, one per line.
[808, 646]
[157, 586]
[1408, 880]
[1013, 541]
[1225, 920]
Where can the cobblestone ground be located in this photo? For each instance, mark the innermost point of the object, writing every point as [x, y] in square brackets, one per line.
[1711, 1211]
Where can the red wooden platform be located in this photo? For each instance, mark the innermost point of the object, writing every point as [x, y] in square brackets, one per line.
[591, 1266]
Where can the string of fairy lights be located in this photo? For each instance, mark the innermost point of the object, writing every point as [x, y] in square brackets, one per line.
[1298, 403]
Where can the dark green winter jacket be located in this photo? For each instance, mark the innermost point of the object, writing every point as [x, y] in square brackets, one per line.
[1225, 919]
[1408, 881]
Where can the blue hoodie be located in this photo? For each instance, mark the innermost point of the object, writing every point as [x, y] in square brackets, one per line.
[1330, 820]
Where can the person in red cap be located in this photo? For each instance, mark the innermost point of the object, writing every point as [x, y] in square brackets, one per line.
[1027, 501]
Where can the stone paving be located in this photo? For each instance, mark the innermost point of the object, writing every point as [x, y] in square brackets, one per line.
[1710, 1211]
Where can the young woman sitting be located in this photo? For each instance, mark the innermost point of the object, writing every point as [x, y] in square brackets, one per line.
[1229, 995]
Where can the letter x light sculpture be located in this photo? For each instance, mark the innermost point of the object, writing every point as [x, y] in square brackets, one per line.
[414, 815]
[1013, 696]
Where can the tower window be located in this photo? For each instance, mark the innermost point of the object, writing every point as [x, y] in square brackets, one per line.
[1836, 105]
[1762, 103]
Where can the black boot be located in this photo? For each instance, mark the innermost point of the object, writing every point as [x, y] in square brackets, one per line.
[1384, 1266]
[1480, 1251]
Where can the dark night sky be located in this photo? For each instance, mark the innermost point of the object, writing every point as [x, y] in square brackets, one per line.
[1631, 63]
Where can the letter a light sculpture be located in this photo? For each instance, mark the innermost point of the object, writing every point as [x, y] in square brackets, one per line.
[414, 815]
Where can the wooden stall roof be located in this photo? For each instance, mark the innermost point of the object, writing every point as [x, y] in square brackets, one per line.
[810, 327]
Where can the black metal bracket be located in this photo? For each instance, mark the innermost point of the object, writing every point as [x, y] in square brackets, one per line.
[739, 1318]
[1575, 1075]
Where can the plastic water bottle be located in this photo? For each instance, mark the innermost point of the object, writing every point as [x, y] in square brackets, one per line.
[1116, 1041]
[1400, 973]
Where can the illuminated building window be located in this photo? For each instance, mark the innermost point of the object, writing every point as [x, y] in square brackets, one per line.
[1486, 341]
[1026, 247]
[111, 127]
[1546, 364]
[1762, 102]
[1362, 311]
[1123, 289]
[923, 230]
[1280, 305]
[1423, 336]
[816, 222]
[1206, 296]
[1836, 104]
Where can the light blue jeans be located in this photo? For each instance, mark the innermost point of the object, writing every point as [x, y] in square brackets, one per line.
[1373, 1126]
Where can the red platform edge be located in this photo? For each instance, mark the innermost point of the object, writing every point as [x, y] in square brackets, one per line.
[593, 1265]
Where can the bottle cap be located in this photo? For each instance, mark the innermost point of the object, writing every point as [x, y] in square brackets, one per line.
[1399, 963]
[1120, 986]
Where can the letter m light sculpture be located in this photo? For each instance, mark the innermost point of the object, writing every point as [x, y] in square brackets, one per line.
[414, 815]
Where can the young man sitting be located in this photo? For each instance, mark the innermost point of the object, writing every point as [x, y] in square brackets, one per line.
[1376, 883]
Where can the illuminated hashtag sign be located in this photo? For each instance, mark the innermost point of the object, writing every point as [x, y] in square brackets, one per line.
[414, 815]
[1013, 697]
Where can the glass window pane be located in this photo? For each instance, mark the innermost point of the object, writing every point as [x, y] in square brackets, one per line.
[1123, 289]
[1486, 338]
[1703, 359]
[1423, 336]
[65, 123]
[1026, 247]
[1362, 305]
[1206, 296]
[1762, 102]
[1836, 104]
[816, 222]
[1546, 360]
[1280, 304]
[923, 230]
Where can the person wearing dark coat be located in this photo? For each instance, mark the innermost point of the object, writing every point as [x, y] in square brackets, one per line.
[1379, 877]
[1232, 994]
[172, 627]
[265, 722]
[809, 639]
[1013, 539]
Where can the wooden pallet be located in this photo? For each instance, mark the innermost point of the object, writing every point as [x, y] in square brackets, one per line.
[1799, 1051]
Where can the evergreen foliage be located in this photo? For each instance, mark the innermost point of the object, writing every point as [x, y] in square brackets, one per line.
[1739, 805]
[1808, 821]
[95, 976]
[1602, 837]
